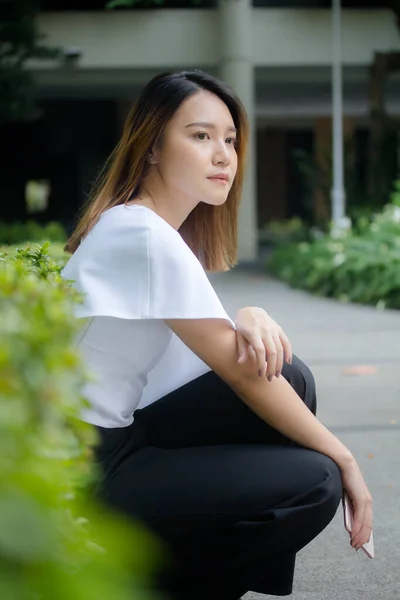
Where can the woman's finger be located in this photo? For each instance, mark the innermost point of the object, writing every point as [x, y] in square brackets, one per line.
[243, 348]
[357, 524]
[287, 347]
[361, 532]
[279, 356]
[259, 350]
[271, 355]
[362, 538]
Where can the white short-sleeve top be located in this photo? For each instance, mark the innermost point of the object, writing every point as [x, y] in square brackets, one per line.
[135, 270]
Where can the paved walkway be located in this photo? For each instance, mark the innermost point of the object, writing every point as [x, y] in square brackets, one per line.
[363, 410]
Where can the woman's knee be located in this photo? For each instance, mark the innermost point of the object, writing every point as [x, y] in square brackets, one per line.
[329, 491]
[317, 499]
[302, 381]
[313, 480]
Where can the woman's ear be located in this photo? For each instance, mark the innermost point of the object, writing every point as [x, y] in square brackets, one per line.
[153, 153]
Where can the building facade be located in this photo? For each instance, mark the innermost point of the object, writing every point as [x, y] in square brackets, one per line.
[277, 58]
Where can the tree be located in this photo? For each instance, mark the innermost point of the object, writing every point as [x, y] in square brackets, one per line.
[20, 41]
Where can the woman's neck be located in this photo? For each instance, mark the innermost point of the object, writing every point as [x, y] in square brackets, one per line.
[173, 210]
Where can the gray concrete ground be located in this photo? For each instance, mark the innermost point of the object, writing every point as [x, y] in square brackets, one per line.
[363, 410]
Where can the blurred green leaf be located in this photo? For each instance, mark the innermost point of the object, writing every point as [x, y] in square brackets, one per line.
[357, 265]
[56, 541]
[25, 531]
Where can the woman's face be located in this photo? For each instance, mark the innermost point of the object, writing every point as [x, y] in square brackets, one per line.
[197, 156]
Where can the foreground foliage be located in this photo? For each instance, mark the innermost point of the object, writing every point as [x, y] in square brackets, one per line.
[56, 543]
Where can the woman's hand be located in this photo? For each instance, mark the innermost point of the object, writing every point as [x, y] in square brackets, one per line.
[261, 336]
[356, 488]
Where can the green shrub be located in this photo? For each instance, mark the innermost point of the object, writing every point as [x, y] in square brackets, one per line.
[50, 254]
[31, 231]
[56, 542]
[361, 264]
[284, 232]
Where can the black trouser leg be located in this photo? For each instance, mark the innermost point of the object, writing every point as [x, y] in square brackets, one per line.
[206, 411]
[233, 498]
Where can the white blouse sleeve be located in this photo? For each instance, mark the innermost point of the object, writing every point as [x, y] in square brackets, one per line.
[140, 268]
[179, 286]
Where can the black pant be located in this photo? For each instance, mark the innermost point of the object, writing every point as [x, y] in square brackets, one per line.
[233, 498]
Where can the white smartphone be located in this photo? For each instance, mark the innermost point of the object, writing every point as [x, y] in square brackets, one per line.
[368, 547]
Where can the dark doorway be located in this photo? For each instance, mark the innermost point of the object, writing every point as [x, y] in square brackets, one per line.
[66, 145]
[299, 192]
[282, 190]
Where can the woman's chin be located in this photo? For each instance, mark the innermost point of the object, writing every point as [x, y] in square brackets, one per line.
[216, 201]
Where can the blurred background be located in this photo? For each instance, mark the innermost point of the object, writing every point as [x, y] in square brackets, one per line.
[320, 80]
[71, 69]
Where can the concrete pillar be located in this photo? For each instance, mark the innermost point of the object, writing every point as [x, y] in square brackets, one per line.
[237, 70]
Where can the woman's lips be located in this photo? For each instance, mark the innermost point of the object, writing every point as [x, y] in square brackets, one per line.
[218, 180]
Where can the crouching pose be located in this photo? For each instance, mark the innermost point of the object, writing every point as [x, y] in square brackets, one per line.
[222, 459]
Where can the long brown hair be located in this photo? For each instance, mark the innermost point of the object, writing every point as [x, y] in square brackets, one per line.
[210, 231]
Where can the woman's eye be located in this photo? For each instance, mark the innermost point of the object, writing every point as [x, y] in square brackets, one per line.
[232, 141]
[202, 135]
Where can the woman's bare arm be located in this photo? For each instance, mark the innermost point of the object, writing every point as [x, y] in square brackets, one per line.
[214, 341]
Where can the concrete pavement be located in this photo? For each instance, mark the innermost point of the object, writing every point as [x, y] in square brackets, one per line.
[363, 410]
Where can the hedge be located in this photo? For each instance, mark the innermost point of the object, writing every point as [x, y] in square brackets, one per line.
[357, 264]
[56, 541]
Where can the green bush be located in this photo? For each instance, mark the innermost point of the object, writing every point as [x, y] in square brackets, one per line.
[360, 264]
[49, 254]
[31, 231]
[56, 542]
[288, 231]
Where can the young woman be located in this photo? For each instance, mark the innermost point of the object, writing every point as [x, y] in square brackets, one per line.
[222, 459]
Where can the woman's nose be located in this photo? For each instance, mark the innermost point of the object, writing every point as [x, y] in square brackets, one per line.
[221, 155]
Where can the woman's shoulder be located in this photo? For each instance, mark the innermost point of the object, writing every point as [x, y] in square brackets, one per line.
[136, 221]
[129, 231]
[131, 237]
[133, 264]
[164, 243]
[124, 218]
